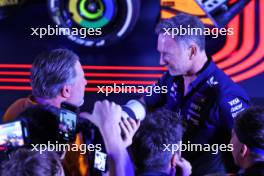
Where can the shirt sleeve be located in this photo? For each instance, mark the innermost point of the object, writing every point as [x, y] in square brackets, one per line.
[157, 97]
[229, 108]
[14, 110]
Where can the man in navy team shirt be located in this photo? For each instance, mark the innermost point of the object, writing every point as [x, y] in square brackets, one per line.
[198, 90]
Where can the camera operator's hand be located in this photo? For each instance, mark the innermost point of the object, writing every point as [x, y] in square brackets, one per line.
[181, 163]
[106, 115]
[129, 128]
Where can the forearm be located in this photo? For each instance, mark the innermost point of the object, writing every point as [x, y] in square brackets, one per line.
[120, 163]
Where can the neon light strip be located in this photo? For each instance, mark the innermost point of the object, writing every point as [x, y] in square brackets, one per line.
[15, 80]
[14, 73]
[15, 88]
[123, 75]
[21, 80]
[120, 82]
[28, 88]
[124, 68]
[154, 68]
[119, 75]
[15, 66]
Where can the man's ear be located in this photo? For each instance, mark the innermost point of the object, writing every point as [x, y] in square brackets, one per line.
[192, 51]
[174, 159]
[173, 164]
[66, 91]
[244, 151]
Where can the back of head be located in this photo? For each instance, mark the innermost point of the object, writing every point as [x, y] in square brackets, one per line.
[51, 71]
[159, 128]
[184, 29]
[249, 128]
[41, 123]
[24, 162]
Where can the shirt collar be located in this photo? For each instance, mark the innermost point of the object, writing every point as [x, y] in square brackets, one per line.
[204, 73]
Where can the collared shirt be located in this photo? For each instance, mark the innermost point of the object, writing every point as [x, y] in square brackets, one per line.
[210, 105]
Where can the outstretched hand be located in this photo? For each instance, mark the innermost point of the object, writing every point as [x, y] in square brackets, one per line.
[105, 115]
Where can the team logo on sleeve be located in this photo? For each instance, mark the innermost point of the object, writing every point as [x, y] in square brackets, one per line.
[236, 107]
[173, 91]
[211, 81]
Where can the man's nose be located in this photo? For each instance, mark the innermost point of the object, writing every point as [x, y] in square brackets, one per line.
[85, 81]
[162, 61]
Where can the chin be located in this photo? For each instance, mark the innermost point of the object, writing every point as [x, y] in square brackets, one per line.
[172, 73]
[81, 103]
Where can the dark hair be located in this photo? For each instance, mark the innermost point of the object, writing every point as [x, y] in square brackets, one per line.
[24, 162]
[51, 71]
[160, 127]
[249, 127]
[41, 123]
[188, 22]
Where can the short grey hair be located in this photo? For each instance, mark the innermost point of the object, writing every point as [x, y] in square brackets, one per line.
[51, 71]
[188, 22]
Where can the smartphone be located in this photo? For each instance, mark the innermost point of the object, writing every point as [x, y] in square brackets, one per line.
[100, 161]
[67, 122]
[12, 135]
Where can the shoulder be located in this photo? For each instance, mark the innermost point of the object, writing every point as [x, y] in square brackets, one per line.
[231, 98]
[16, 108]
[225, 87]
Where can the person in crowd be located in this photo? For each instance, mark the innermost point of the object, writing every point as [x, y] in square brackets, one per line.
[43, 127]
[248, 142]
[42, 124]
[27, 162]
[107, 117]
[197, 89]
[57, 76]
[160, 128]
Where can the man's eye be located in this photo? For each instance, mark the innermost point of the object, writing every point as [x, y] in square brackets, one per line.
[232, 133]
[167, 56]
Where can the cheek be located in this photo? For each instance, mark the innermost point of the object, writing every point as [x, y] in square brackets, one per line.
[236, 148]
[232, 142]
[175, 61]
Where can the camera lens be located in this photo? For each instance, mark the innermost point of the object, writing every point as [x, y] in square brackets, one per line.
[134, 109]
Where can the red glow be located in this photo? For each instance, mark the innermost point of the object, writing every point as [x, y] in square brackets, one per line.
[231, 41]
[248, 38]
[123, 75]
[21, 80]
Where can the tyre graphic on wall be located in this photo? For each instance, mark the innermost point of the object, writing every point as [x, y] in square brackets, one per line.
[106, 21]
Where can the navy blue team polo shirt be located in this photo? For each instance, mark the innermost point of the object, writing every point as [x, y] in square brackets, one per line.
[212, 101]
